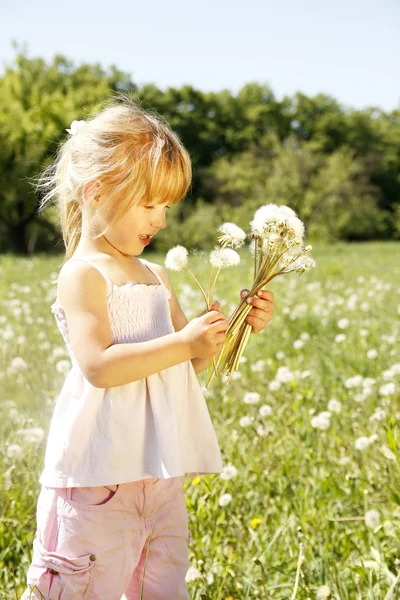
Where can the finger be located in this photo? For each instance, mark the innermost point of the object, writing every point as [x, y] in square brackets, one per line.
[262, 315]
[256, 324]
[213, 315]
[266, 295]
[265, 305]
[219, 327]
[243, 292]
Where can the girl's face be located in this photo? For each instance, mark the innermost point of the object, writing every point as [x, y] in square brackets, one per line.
[127, 234]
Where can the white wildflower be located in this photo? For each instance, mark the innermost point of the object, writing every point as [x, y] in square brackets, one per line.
[244, 421]
[33, 435]
[176, 258]
[372, 519]
[362, 442]
[352, 382]
[229, 471]
[343, 323]
[251, 398]
[379, 415]
[224, 499]
[323, 592]
[298, 344]
[233, 235]
[295, 225]
[192, 574]
[372, 353]
[280, 355]
[305, 336]
[334, 405]
[321, 421]
[301, 264]
[284, 375]
[261, 431]
[258, 366]
[210, 578]
[224, 257]
[63, 366]
[14, 451]
[266, 214]
[18, 363]
[265, 410]
[388, 389]
[274, 385]
[340, 338]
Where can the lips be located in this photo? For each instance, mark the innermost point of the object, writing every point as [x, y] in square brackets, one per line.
[145, 239]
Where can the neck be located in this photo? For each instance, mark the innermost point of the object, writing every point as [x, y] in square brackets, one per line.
[119, 251]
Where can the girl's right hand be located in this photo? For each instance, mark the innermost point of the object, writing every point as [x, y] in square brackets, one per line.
[206, 334]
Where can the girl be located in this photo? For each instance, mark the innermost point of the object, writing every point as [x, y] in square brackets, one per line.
[131, 421]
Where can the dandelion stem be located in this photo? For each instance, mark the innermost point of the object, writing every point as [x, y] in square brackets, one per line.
[200, 286]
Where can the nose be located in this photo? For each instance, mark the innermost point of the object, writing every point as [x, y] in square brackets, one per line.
[159, 219]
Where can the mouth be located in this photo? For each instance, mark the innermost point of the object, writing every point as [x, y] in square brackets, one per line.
[145, 239]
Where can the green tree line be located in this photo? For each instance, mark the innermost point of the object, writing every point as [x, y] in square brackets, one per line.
[338, 168]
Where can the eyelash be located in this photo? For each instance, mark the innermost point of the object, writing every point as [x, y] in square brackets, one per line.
[153, 207]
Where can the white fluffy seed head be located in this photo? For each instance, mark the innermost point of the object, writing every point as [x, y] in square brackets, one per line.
[224, 257]
[233, 235]
[176, 258]
[282, 218]
[269, 213]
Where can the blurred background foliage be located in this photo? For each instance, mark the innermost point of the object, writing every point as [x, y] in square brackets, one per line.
[338, 168]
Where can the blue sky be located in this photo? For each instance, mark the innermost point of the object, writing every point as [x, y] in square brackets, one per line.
[349, 49]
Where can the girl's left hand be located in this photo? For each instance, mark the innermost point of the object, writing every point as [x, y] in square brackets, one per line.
[262, 309]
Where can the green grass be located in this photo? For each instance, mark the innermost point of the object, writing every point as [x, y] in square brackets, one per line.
[295, 484]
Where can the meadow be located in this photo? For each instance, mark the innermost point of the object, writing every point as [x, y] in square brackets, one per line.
[308, 504]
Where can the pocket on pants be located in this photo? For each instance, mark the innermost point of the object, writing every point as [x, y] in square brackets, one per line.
[92, 498]
[54, 576]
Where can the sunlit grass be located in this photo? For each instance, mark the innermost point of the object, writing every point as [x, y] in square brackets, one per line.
[290, 487]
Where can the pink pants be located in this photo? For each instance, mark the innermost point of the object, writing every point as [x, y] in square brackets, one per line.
[91, 542]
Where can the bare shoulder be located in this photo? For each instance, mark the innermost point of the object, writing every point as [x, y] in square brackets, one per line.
[82, 295]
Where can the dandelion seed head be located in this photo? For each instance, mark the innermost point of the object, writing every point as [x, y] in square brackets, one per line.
[176, 258]
[233, 235]
[372, 519]
[224, 257]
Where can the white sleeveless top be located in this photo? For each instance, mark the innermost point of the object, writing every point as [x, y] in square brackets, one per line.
[158, 426]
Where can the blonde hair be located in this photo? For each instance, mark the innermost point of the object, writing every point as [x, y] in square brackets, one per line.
[131, 152]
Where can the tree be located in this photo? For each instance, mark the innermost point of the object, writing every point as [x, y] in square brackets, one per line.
[37, 102]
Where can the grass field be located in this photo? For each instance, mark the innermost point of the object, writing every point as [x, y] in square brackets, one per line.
[307, 501]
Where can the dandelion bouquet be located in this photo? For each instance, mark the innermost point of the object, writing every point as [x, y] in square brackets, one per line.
[277, 248]
[276, 244]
